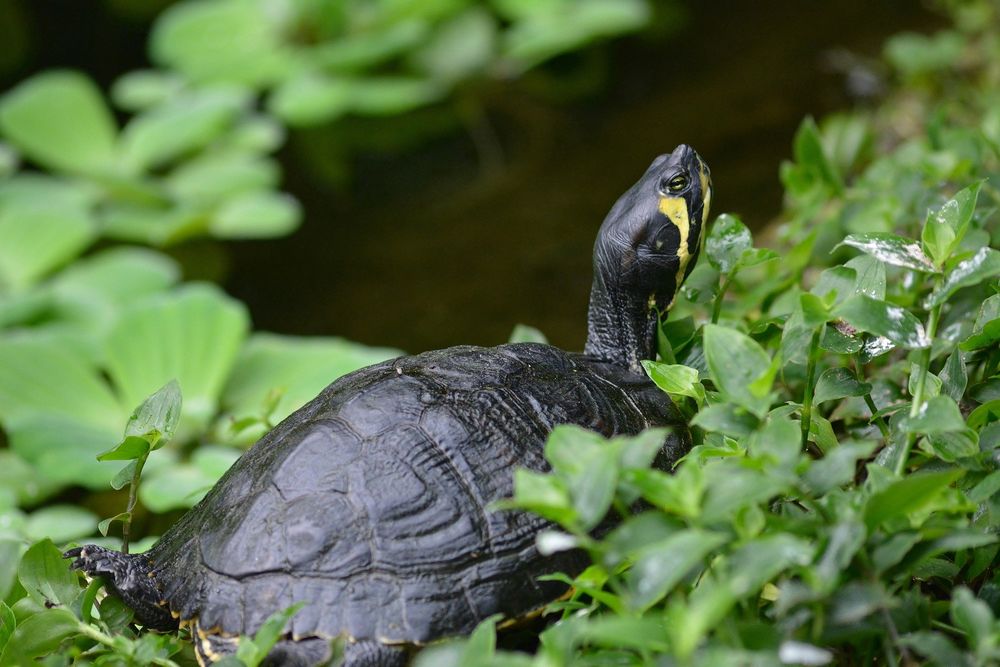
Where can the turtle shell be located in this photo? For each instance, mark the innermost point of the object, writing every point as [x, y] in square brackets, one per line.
[372, 503]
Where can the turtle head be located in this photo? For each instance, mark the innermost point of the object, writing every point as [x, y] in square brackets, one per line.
[647, 246]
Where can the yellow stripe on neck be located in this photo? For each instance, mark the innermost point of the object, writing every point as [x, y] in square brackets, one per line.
[676, 210]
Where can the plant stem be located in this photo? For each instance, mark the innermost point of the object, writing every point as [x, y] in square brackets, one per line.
[810, 385]
[133, 487]
[717, 306]
[91, 632]
[923, 363]
[870, 402]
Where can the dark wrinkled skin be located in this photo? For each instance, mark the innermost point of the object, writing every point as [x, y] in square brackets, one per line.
[372, 503]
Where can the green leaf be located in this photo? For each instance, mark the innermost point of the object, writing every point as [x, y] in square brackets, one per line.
[983, 265]
[178, 486]
[252, 653]
[883, 319]
[972, 616]
[7, 625]
[186, 123]
[156, 418]
[10, 557]
[986, 330]
[105, 524]
[954, 377]
[523, 333]
[255, 215]
[811, 157]
[940, 414]
[954, 445]
[735, 362]
[836, 383]
[759, 561]
[392, 95]
[60, 523]
[60, 121]
[676, 380]
[40, 634]
[46, 576]
[589, 464]
[218, 175]
[311, 98]
[293, 367]
[891, 249]
[228, 40]
[674, 494]
[907, 495]
[660, 566]
[63, 450]
[870, 276]
[142, 89]
[544, 495]
[193, 335]
[840, 280]
[727, 239]
[128, 449]
[36, 239]
[725, 418]
[459, 47]
[935, 646]
[815, 312]
[779, 439]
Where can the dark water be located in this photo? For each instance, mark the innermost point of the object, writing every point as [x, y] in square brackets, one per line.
[430, 251]
[439, 245]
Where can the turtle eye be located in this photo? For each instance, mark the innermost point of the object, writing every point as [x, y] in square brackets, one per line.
[674, 185]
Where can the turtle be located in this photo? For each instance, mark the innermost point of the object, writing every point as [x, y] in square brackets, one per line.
[373, 504]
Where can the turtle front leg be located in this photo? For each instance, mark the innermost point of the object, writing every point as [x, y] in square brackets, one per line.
[129, 577]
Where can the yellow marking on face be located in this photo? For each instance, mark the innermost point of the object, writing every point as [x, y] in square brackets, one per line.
[676, 210]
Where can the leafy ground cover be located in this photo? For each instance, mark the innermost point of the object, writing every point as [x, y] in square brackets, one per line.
[843, 389]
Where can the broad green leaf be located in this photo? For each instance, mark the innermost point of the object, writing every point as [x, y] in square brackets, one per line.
[11, 548]
[40, 377]
[729, 486]
[870, 276]
[7, 625]
[952, 445]
[217, 175]
[130, 448]
[836, 383]
[907, 495]
[37, 239]
[891, 249]
[940, 414]
[523, 333]
[124, 476]
[972, 616]
[63, 450]
[181, 485]
[545, 34]
[736, 361]
[38, 635]
[957, 212]
[224, 41]
[759, 561]
[141, 89]
[46, 576]
[60, 121]
[296, 369]
[60, 523]
[883, 319]
[986, 330]
[725, 418]
[184, 124]
[983, 265]
[460, 47]
[644, 633]
[660, 566]
[914, 53]
[311, 98]
[589, 465]
[156, 417]
[840, 280]
[727, 239]
[544, 495]
[779, 438]
[193, 335]
[812, 159]
[679, 494]
[363, 49]
[392, 95]
[935, 646]
[815, 312]
[254, 215]
[954, 377]
[676, 380]
[118, 275]
[271, 630]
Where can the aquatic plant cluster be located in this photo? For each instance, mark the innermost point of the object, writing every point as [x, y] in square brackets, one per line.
[843, 386]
